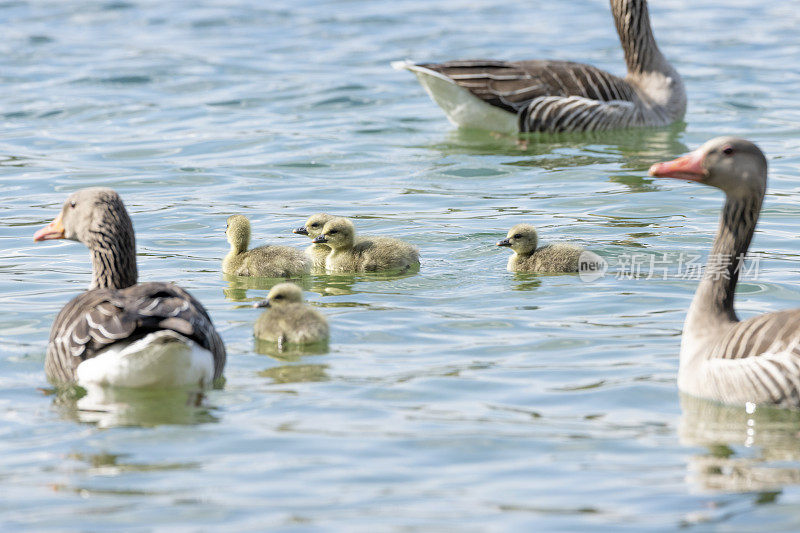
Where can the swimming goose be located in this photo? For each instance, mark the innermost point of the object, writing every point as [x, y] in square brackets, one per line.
[561, 96]
[369, 254]
[120, 332]
[265, 261]
[523, 240]
[756, 360]
[313, 227]
[288, 319]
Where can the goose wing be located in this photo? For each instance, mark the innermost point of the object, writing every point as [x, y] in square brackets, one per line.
[98, 318]
[512, 85]
[758, 360]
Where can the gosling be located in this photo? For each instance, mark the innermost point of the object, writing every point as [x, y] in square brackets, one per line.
[288, 319]
[522, 239]
[370, 254]
[313, 228]
[264, 261]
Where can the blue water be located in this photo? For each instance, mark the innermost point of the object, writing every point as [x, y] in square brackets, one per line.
[463, 398]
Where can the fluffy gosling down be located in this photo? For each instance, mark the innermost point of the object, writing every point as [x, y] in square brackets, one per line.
[313, 228]
[265, 261]
[370, 254]
[288, 319]
[523, 241]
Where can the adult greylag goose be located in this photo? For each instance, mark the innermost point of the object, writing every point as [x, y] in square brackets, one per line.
[561, 96]
[265, 261]
[313, 228]
[368, 254]
[120, 332]
[528, 257]
[288, 319]
[756, 360]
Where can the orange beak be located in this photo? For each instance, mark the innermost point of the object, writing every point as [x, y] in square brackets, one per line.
[54, 230]
[688, 167]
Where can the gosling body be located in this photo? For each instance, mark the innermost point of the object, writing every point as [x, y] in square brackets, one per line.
[290, 320]
[527, 257]
[369, 254]
[265, 261]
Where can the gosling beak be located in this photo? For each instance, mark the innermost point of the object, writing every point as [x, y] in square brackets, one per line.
[301, 230]
[319, 239]
[262, 303]
[54, 230]
[688, 167]
[504, 242]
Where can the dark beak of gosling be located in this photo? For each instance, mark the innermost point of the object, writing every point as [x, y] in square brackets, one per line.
[262, 303]
[301, 230]
[504, 242]
[319, 239]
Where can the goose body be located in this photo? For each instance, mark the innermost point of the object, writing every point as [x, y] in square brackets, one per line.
[288, 319]
[756, 360]
[266, 261]
[561, 96]
[529, 257]
[369, 254]
[120, 332]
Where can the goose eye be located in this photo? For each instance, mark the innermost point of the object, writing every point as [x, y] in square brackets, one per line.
[727, 150]
[517, 236]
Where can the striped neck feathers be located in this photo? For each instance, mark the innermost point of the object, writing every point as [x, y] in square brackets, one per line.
[112, 244]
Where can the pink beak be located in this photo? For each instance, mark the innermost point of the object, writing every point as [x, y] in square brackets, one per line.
[54, 230]
[688, 167]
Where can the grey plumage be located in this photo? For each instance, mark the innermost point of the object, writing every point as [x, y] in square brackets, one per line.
[529, 257]
[368, 254]
[116, 308]
[265, 261]
[289, 320]
[756, 360]
[562, 96]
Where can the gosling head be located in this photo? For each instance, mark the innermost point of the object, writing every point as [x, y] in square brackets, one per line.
[337, 233]
[734, 165]
[314, 225]
[282, 294]
[522, 238]
[238, 232]
[90, 216]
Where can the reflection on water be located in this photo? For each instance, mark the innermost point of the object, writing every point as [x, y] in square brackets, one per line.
[289, 352]
[296, 373]
[526, 281]
[746, 451]
[111, 406]
[239, 285]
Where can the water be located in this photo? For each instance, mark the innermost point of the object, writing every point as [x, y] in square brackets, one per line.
[461, 398]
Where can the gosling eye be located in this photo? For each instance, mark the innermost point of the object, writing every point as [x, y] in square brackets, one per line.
[728, 150]
[517, 236]
[72, 203]
[314, 225]
[333, 232]
[278, 297]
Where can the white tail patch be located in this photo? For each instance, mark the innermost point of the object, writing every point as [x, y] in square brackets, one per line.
[462, 108]
[160, 359]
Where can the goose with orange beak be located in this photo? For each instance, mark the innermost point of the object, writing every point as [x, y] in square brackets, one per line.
[722, 358]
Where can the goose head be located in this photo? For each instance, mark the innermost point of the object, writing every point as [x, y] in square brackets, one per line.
[88, 216]
[522, 238]
[314, 224]
[734, 165]
[282, 294]
[238, 232]
[337, 233]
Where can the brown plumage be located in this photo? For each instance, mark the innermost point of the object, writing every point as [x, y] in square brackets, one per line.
[723, 359]
[556, 96]
[116, 309]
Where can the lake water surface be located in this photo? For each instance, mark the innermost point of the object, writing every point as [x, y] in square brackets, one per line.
[463, 398]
